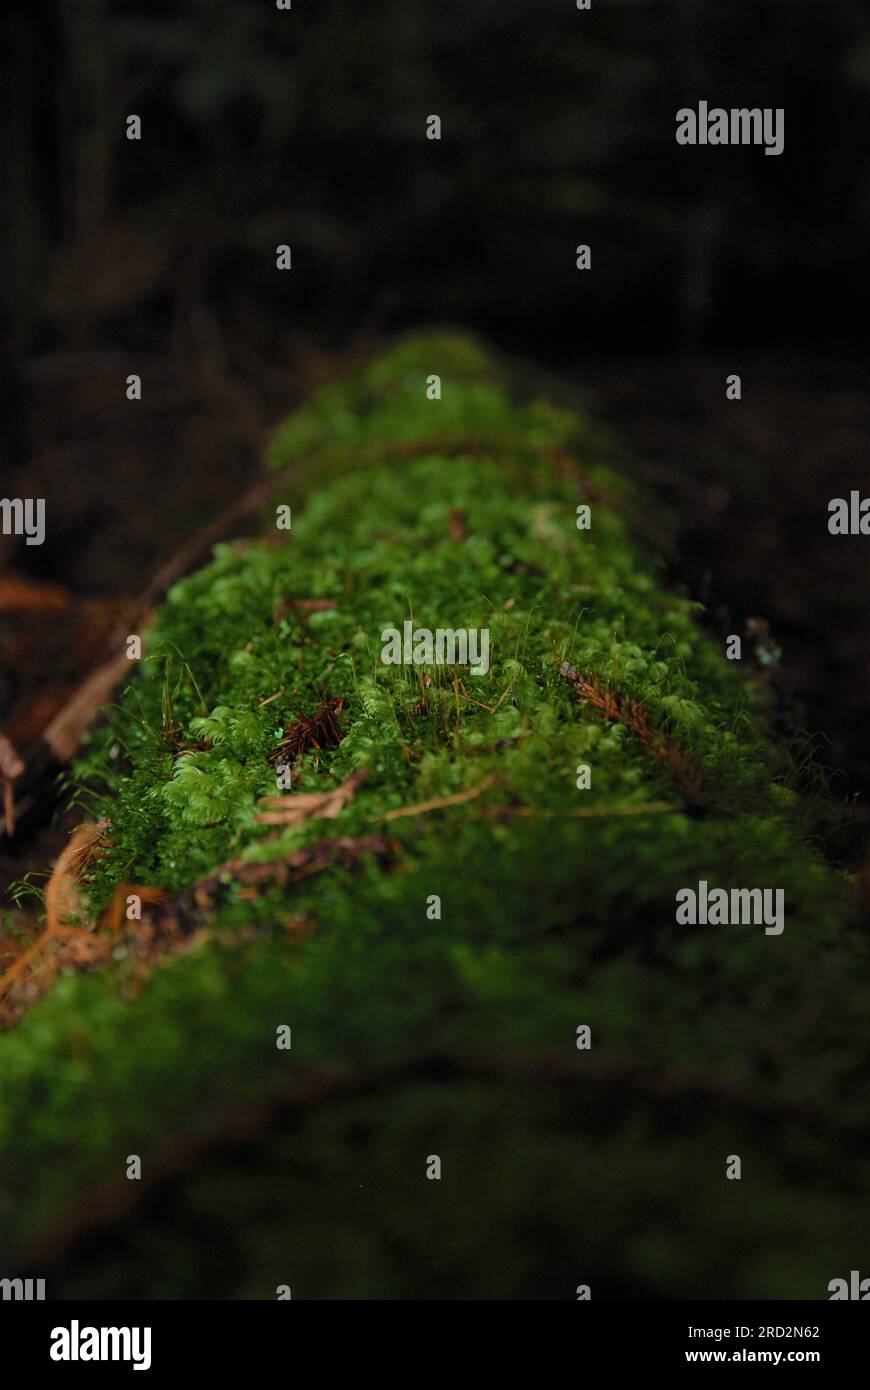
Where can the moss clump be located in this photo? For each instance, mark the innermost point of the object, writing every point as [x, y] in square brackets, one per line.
[557, 904]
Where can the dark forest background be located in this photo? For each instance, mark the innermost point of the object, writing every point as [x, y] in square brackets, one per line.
[307, 127]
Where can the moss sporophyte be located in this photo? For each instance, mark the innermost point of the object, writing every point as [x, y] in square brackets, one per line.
[399, 861]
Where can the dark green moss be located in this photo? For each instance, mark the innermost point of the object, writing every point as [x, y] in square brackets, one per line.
[549, 919]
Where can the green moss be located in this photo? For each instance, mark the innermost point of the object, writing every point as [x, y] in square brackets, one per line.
[549, 918]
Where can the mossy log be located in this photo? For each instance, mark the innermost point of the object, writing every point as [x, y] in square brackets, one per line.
[440, 909]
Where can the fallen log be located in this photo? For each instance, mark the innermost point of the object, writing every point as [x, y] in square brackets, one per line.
[520, 923]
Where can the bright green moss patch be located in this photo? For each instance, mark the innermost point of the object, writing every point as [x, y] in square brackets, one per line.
[557, 905]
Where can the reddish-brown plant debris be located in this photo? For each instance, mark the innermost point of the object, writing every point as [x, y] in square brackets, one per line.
[167, 925]
[64, 913]
[319, 730]
[290, 868]
[680, 766]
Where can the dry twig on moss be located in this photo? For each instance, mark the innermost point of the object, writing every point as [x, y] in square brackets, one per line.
[296, 808]
[63, 900]
[437, 802]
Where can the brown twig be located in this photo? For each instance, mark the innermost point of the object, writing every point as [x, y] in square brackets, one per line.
[62, 897]
[294, 809]
[343, 849]
[422, 807]
[172, 918]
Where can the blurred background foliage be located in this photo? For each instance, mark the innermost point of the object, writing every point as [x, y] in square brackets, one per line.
[307, 126]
